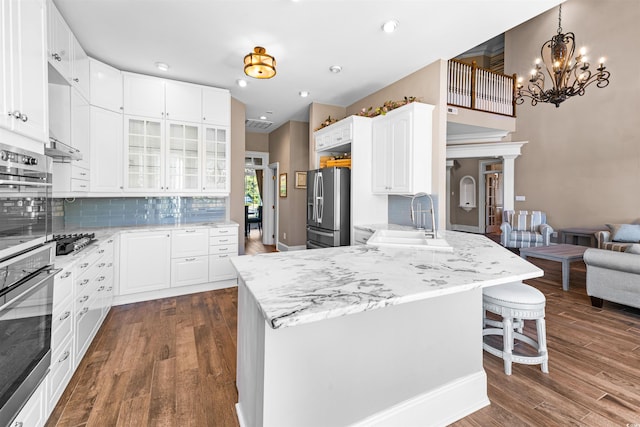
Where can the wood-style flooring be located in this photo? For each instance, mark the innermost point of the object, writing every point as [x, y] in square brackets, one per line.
[253, 243]
[171, 362]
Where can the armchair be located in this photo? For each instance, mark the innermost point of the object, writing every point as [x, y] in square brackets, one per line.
[522, 229]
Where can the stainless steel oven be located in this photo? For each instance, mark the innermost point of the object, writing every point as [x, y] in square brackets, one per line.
[25, 200]
[26, 302]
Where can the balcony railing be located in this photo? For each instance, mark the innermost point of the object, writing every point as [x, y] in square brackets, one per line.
[470, 86]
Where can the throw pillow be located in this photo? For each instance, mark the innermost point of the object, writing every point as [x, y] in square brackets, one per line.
[625, 232]
[634, 249]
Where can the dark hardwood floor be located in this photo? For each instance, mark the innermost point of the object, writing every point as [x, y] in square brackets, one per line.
[171, 362]
[253, 243]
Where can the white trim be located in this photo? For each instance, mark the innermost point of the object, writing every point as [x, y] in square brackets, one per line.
[273, 214]
[284, 248]
[172, 292]
[481, 137]
[469, 393]
[467, 228]
[496, 149]
[482, 198]
[241, 419]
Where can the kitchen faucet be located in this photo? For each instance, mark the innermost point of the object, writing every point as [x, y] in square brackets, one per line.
[417, 220]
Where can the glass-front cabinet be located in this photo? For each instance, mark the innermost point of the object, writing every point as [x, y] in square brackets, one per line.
[144, 151]
[216, 159]
[183, 160]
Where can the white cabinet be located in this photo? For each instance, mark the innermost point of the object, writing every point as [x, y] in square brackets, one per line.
[106, 86]
[80, 127]
[338, 134]
[216, 159]
[216, 106]
[59, 42]
[23, 68]
[143, 95]
[189, 271]
[402, 150]
[144, 154]
[33, 412]
[189, 260]
[223, 245]
[183, 170]
[189, 242]
[183, 101]
[80, 69]
[106, 151]
[144, 261]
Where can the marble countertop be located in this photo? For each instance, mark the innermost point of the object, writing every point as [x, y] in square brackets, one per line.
[298, 287]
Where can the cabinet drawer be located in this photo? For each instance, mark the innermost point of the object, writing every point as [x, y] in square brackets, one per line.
[87, 320]
[79, 173]
[60, 373]
[223, 240]
[189, 271]
[223, 231]
[79, 185]
[62, 288]
[61, 325]
[220, 268]
[189, 242]
[342, 135]
[224, 249]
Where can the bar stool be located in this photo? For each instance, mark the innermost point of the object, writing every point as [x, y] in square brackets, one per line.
[515, 302]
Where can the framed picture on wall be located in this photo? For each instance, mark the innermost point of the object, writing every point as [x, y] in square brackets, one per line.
[301, 180]
[283, 185]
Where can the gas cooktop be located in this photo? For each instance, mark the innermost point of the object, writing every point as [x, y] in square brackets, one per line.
[72, 243]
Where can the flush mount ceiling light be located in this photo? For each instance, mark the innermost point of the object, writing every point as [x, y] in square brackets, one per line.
[303, 93]
[259, 64]
[570, 77]
[162, 66]
[390, 26]
[241, 82]
[335, 69]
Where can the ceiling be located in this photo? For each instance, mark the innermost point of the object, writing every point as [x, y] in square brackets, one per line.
[205, 41]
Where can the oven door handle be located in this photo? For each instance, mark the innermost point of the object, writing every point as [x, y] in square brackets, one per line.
[50, 273]
[25, 183]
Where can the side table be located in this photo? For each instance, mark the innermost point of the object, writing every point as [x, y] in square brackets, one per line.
[575, 235]
[566, 254]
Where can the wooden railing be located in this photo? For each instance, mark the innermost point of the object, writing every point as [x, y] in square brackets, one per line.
[470, 86]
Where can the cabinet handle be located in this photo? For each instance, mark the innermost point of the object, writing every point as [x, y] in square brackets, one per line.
[223, 249]
[110, 265]
[101, 288]
[84, 282]
[101, 251]
[16, 114]
[83, 299]
[65, 315]
[24, 117]
[56, 57]
[100, 279]
[84, 265]
[223, 256]
[189, 259]
[223, 231]
[83, 312]
[65, 275]
[110, 288]
[83, 174]
[189, 231]
[18, 424]
[76, 80]
[102, 264]
[64, 357]
[223, 241]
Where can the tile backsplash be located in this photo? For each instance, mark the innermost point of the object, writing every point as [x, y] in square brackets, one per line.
[129, 211]
[399, 209]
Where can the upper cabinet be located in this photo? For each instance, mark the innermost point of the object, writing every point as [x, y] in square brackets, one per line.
[143, 95]
[216, 161]
[183, 101]
[401, 151]
[106, 86]
[216, 106]
[23, 68]
[80, 69]
[337, 134]
[59, 42]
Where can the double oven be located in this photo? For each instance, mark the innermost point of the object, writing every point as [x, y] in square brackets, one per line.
[26, 276]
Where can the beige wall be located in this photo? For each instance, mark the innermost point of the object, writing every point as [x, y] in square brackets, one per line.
[317, 114]
[236, 198]
[425, 85]
[289, 146]
[257, 142]
[462, 168]
[582, 162]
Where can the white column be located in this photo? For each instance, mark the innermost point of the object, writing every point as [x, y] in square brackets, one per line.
[508, 176]
[448, 215]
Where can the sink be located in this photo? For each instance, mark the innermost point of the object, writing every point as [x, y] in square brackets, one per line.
[407, 238]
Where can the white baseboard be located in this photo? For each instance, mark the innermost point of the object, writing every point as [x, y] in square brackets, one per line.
[441, 407]
[173, 292]
[241, 419]
[284, 248]
[467, 228]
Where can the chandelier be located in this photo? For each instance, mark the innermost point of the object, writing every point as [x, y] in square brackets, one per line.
[260, 65]
[570, 77]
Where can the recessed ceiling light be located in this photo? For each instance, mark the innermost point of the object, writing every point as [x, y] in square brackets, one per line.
[303, 93]
[335, 69]
[263, 117]
[162, 66]
[390, 26]
[241, 82]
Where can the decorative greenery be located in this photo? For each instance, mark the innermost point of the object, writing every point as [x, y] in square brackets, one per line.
[327, 122]
[386, 107]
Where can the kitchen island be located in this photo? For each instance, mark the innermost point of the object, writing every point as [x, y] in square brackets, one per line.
[361, 335]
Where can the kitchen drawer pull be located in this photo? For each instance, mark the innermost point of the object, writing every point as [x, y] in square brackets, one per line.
[110, 288]
[56, 57]
[65, 275]
[18, 424]
[110, 265]
[83, 312]
[65, 315]
[83, 299]
[224, 241]
[101, 288]
[102, 264]
[223, 256]
[189, 259]
[100, 279]
[223, 249]
[223, 231]
[64, 357]
[84, 282]
[110, 241]
[101, 251]
[190, 231]
[84, 265]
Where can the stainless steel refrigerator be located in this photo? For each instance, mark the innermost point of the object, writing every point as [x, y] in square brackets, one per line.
[328, 200]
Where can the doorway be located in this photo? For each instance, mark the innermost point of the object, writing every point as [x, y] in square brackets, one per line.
[491, 195]
[259, 194]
